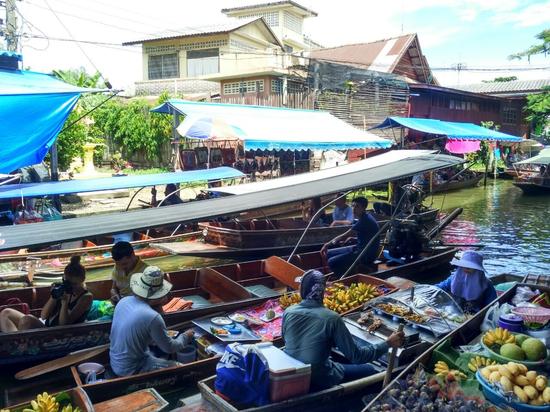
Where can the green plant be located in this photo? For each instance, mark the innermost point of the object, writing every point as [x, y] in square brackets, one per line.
[541, 48]
[538, 110]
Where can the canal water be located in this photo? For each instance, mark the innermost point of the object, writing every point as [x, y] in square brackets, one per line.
[513, 229]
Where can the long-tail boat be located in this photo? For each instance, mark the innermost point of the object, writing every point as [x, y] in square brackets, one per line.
[457, 184]
[219, 288]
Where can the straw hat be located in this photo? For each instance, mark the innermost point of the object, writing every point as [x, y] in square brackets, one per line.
[150, 284]
[470, 260]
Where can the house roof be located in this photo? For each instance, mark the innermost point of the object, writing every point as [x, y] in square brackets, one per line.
[513, 88]
[449, 90]
[304, 10]
[382, 56]
[227, 26]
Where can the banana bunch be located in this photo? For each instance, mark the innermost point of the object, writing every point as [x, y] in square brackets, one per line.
[498, 336]
[442, 369]
[43, 403]
[69, 408]
[289, 299]
[340, 298]
[477, 362]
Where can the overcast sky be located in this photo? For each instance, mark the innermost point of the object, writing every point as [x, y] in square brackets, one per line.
[477, 33]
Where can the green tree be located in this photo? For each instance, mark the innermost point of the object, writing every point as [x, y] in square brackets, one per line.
[538, 111]
[79, 77]
[540, 48]
[501, 79]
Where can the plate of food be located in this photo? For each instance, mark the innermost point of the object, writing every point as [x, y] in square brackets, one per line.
[270, 315]
[172, 333]
[237, 317]
[221, 321]
[219, 331]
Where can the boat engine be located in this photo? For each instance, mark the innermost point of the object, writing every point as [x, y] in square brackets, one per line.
[405, 239]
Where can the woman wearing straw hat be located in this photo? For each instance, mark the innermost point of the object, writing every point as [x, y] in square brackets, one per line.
[469, 285]
[137, 323]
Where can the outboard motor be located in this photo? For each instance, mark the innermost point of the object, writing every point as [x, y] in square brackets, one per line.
[405, 240]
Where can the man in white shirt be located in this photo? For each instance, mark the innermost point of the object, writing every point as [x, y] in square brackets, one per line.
[137, 323]
[342, 214]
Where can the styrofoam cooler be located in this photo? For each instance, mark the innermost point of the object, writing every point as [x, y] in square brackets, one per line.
[288, 377]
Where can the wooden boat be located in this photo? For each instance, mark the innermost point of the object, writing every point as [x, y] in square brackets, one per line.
[533, 185]
[468, 334]
[350, 393]
[53, 261]
[457, 184]
[219, 288]
[164, 379]
[266, 237]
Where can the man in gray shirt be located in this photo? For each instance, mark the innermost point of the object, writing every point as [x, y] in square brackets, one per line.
[311, 331]
[137, 323]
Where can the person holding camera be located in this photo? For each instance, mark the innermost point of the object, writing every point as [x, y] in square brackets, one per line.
[68, 304]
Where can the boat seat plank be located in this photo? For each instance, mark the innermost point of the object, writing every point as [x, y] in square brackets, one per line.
[249, 270]
[145, 400]
[261, 291]
[283, 271]
[217, 284]
[198, 301]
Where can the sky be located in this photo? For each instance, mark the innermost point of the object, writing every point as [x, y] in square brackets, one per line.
[478, 34]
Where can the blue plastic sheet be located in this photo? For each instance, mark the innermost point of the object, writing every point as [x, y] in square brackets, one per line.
[33, 109]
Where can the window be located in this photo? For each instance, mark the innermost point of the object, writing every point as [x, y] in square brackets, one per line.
[509, 115]
[164, 66]
[249, 86]
[294, 87]
[288, 49]
[292, 22]
[202, 62]
[271, 17]
[276, 86]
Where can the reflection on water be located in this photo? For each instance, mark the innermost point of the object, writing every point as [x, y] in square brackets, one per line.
[514, 228]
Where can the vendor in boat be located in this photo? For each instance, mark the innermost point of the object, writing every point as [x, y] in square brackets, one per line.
[137, 323]
[342, 214]
[68, 304]
[126, 264]
[468, 285]
[365, 229]
[171, 196]
[311, 331]
[309, 210]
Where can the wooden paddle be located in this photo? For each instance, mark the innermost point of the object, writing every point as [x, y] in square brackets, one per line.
[53, 365]
[391, 361]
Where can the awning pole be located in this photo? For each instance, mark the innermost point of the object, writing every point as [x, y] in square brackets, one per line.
[54, 172]
[176, 141]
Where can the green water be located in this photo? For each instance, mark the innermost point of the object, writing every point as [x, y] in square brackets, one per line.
[513, 227]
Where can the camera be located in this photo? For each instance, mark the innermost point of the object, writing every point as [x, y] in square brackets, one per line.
[60, 288]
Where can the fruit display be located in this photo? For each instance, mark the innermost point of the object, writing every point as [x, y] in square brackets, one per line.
[47, 403]
[419, 393]
[527, 386]
[341, 298]
[401, 311]
[442, 370]
[289, 299]
[515, 347]
[477, 362]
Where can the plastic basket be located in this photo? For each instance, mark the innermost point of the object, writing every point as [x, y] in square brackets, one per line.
[535, 315]
[446, 353]
[500, 401]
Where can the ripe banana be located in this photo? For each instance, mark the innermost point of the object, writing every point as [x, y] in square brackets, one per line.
[498, 336]
[43, 403]
[477, 362]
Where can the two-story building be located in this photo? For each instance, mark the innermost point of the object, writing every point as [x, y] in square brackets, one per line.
[253, 53]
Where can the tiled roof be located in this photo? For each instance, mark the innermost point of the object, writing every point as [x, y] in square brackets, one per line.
[507, 88]
[226, 26]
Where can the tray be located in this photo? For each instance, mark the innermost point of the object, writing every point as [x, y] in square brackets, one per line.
[246, 334]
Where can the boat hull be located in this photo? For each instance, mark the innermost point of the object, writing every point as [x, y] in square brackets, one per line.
[457, 185]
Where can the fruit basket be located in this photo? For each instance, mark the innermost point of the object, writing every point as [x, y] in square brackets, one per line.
[499, 338]
[499, 400]
[533, 315]
[502, 359]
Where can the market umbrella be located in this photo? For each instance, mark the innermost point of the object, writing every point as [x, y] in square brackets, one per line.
[213, 128]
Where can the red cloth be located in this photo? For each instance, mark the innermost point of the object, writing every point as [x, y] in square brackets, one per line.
[268, 330]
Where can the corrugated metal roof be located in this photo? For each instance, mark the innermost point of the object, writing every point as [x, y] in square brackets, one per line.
[513, 87]
[275, 3]
[226, 26]
[381, 55]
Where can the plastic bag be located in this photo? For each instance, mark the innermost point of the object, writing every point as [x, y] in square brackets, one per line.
[523, 294]
[50, 213]
[24, 216]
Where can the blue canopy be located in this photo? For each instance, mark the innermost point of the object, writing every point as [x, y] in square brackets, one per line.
[112, 183]
[33, 109]
[270, 128]
[453, 130]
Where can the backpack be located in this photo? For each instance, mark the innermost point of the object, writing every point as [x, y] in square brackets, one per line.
[242, 375]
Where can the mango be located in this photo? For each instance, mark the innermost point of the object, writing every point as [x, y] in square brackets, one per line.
[534, 349]
[512, 351]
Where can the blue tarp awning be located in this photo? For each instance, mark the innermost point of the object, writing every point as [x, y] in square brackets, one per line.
[112, 183]
[453, 130]
[270, 128]
[33, 109]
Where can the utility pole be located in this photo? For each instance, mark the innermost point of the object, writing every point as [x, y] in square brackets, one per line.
[459, 67]
[10, 32]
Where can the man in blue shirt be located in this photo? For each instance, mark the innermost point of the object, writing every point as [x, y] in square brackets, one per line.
[311, 331]
[365, 229]
[342, 214]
